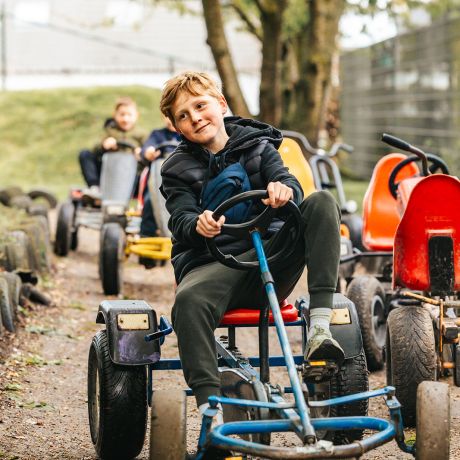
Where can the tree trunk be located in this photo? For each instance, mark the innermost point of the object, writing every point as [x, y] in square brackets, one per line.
[270, 98]
[217, 41]
[315, 52]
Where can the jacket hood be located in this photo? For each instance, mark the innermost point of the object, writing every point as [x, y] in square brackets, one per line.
[243, 133]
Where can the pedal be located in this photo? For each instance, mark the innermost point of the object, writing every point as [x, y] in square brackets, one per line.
[319, 371]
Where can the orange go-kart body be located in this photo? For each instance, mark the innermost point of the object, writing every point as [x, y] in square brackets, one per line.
[422, 227]
[381, 215]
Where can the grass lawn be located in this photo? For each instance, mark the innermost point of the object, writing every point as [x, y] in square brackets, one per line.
[355, 190]
[41, 132]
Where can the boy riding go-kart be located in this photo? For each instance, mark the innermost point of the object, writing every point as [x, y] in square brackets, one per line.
[110, 171]
[219, 159]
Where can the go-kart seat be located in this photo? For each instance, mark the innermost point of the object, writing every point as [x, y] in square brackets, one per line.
[380, 211]
[293, 158]
[118, 176]
[246, 317]
[432, 211]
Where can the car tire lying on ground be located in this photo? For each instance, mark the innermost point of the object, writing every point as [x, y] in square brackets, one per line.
[14, 290]
[42, 194]
[6, 307]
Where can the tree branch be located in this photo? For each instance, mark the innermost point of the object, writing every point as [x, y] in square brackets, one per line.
[253, 28]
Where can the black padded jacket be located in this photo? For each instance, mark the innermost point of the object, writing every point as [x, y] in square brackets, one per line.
[184, 173]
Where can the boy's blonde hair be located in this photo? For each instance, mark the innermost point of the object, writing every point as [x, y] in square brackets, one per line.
[193, 83]
[124, 101]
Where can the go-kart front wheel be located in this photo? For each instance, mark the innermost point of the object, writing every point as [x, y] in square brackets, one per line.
[111, 255]
[410, 353]
[63, 238]
[433, 421]
[352, 378]
[117, 403]
[168, 425]
[368, 295]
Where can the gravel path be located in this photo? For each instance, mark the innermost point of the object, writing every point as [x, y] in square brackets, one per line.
[43, 410]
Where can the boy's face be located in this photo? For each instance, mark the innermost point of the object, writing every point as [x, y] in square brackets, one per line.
[126, 117]
[201, 119]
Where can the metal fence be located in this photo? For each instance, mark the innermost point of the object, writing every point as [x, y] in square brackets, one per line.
[408, 86]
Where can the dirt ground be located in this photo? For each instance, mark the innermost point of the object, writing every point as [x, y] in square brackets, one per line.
[43, 401]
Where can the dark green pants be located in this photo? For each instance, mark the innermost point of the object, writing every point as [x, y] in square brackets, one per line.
[207, 292]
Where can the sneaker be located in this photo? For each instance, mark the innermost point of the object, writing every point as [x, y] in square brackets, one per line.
[322, 346]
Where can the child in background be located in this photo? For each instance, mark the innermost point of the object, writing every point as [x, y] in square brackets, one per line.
[160, 143]
[121, 127]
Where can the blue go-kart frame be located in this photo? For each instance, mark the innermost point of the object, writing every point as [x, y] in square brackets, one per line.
[285, 416]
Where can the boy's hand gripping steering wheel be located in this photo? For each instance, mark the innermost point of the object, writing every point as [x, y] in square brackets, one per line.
[259, 223]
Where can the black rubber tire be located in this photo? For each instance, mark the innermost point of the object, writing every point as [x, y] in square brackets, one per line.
[43, 240]
[368, 295]
[9, 192]
[38, 209]
[74, 239]
[352, 378]
[117, 403]
[354, 223]
[410, 353]
[433, 421]
[21, 202]
[14, 290]
[1, 323]
[111, 255]
[6, 307]
[64, 225]
[168, 425]
[45, 195]
[18, 252]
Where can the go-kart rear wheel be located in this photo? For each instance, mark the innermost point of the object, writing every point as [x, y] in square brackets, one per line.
[117, 403]
[168, 425]
[64, 225]
[367, 294]
[411, 355]
[433, 421]
[111, 255]
[352, 378]
[6, 307]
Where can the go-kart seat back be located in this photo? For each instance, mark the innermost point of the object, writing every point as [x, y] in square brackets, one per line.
[293, 158]
[427, 241]
[118, 176]
[380, 210]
